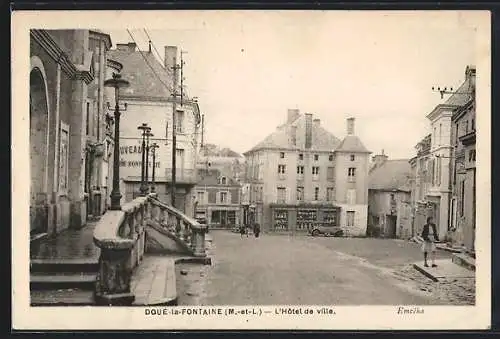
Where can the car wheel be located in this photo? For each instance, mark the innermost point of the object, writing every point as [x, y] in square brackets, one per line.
[315, 233]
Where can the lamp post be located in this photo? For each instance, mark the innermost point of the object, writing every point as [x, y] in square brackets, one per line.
[148, 135]
[153, 152]
[145, 129]
[116, 82]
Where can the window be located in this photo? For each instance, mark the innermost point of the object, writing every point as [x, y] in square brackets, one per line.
[472, 155]
[281, 169]
[200, 197]
[301, 156]
[351, 174]
[281, 195]
[466, 126]
[351, 196]
[300, 169]
[316, 157]
[350, 219]
[222, 181]
[223, 197]
[282, 155]
[315, 170]
[63, 157]
[434, 136]
[440, 133]
[472, 124]
[462, 197]
[330, 157]
[329, 194]
[330, 173]
[87, 112]
[456, 135]
[179, 122]
[353, 157]
[300, 193]
[316, 193]
[392, 196]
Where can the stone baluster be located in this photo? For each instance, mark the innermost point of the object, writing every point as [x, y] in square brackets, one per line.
[178, 227]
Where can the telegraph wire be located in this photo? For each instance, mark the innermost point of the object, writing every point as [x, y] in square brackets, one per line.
[152, 69]
[169, 71]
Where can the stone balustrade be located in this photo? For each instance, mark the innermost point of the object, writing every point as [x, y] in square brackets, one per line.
[120, 235]
[187, 229]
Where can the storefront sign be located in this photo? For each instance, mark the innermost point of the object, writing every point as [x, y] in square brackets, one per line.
[131, 159]
[280, 220]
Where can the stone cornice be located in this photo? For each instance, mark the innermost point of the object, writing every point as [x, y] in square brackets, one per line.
[59, 56]
[439, 109]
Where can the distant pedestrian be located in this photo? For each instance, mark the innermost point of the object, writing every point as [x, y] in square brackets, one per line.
[243, 230]
[256, 230]
[428, 245]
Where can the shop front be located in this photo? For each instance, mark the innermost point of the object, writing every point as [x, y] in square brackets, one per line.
[301, 218]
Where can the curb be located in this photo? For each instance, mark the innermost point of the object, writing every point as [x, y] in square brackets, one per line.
[424, 272]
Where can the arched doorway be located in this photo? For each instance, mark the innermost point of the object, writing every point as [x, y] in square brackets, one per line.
[38, 150]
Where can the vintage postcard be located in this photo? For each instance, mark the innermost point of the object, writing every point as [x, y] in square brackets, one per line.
[251, 170]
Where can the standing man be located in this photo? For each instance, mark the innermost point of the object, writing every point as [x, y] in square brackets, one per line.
[256, 230]
[428, 245]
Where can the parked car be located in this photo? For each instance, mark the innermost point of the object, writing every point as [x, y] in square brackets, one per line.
[326, 230]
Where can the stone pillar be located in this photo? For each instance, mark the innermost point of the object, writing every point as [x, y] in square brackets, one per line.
[115, 274]
[199, 243]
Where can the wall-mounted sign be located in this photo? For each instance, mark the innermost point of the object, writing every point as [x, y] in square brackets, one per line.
[131, 159]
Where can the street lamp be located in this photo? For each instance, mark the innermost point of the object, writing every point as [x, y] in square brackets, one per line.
[148, 135]
[145, 129]
[116, 82]
[153, 152]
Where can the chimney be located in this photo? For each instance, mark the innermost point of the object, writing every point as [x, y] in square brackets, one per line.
[350, 126]
[379, 159]
[317, 122]
[130, 47]
[308, 130]
[170, 57]
[293, 114]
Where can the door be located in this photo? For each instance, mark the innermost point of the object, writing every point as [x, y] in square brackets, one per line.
[391, 226]
[179, 164]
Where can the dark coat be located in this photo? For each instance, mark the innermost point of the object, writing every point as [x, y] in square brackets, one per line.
[425, 232]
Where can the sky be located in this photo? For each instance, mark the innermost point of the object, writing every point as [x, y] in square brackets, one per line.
[248, 68]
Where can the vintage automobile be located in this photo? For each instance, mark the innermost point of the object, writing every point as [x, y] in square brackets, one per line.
[325, 229]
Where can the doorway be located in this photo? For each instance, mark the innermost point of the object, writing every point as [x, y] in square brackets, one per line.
[391, 226]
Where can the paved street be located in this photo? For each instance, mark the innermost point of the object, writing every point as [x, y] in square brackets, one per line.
[302, 270]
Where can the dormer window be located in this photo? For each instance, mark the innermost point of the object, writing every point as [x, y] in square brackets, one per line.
[353, 157]
[282, 155]
[222, 181]
[330, 157]
[301, 156]
[316, 157]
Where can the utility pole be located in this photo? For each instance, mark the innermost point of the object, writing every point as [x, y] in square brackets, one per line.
[182, 76]
[174, 132]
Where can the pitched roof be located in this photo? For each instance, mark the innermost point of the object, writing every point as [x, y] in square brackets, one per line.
[322, 140]
[143, 81]
[352, 144]
[462, 95]
[211, 178]
[391, 175]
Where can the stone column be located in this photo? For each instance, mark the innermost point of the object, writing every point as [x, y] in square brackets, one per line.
[115, 274]
[199, 242]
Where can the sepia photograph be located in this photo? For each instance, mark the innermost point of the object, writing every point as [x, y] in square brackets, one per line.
[252, 165]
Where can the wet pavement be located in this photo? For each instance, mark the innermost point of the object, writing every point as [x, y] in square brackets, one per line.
[68, 244]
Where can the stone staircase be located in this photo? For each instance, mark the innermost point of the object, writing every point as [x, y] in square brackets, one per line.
[63, 269]
[106, 262]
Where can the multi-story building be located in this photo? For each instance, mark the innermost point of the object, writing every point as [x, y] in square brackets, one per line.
[218, 199]
[389, 192]
[149, 100]
[66, 100]
[302, 174]
[421, 164]
[463, 203]
[441, 156]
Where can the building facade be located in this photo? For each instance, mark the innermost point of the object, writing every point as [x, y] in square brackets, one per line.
[66, 99]
[149, 100]
[463, 202]
[302, 174]
[218, 199]
[389, 198]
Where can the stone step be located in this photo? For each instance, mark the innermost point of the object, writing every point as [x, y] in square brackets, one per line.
[445, 269]
[59, 281]
[62, 297]
[64, 265]
[154, 282]
[464, 260]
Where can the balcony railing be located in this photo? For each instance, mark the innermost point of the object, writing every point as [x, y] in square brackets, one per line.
[186, 176]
